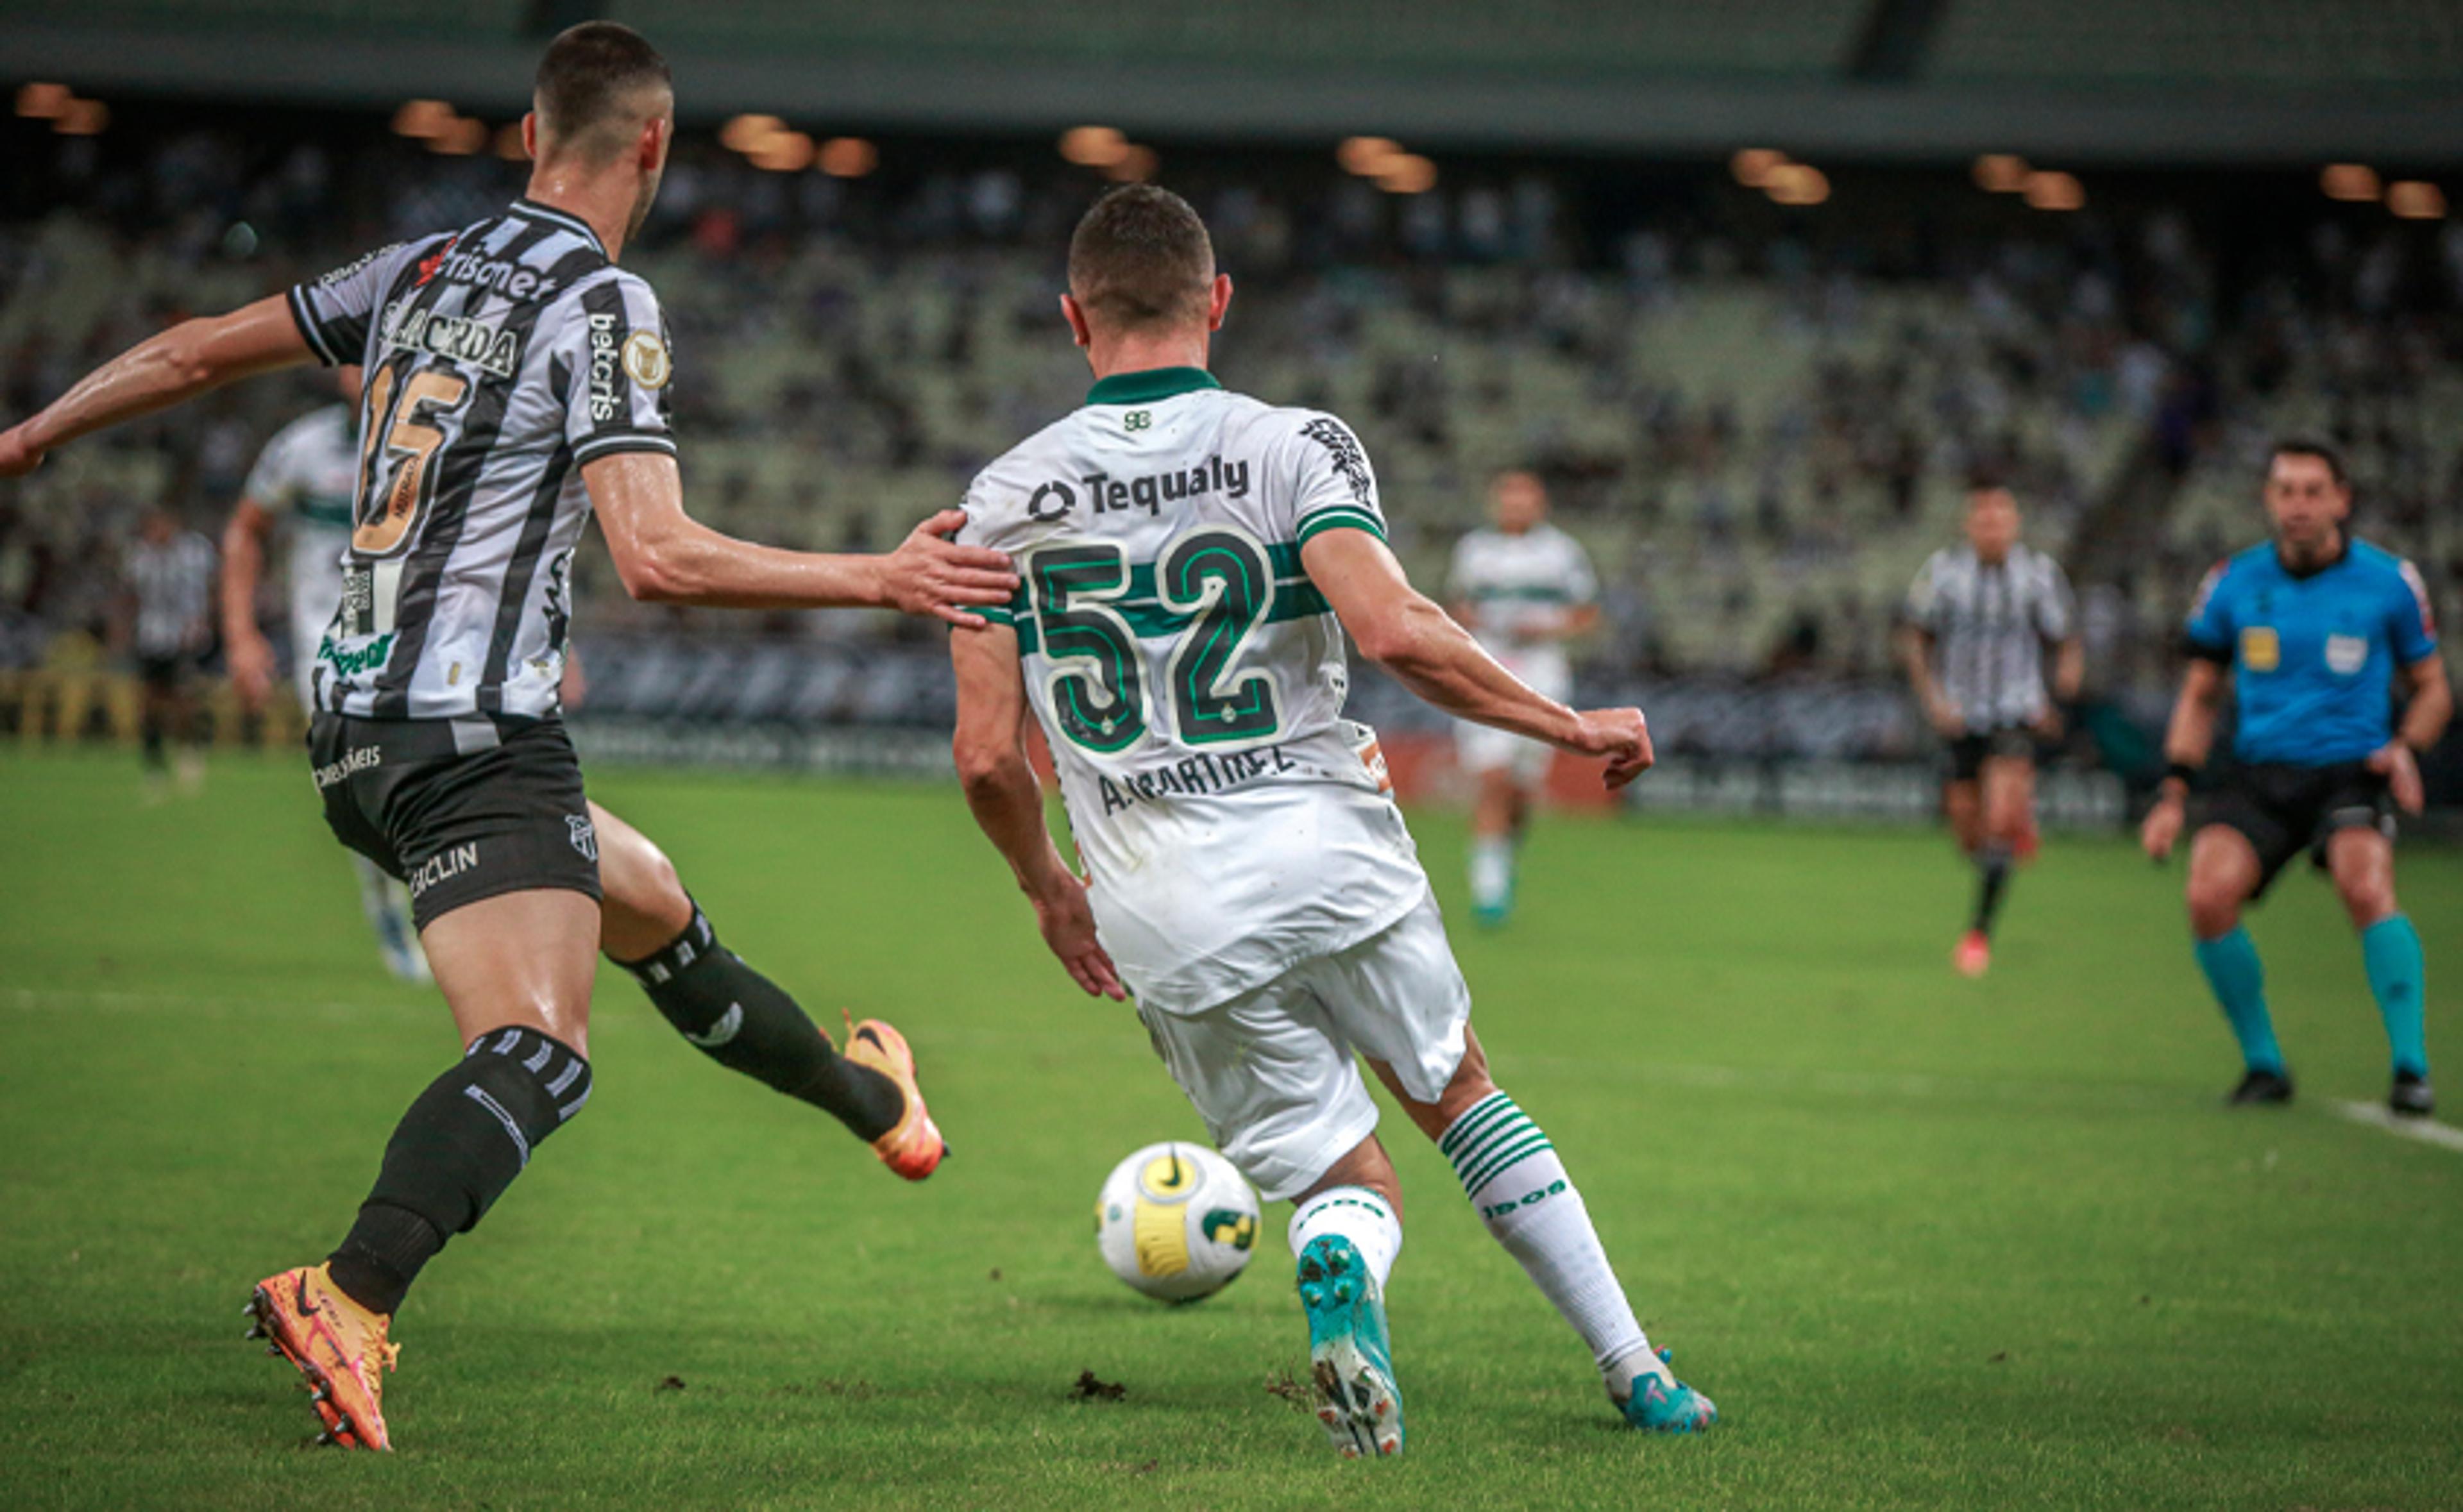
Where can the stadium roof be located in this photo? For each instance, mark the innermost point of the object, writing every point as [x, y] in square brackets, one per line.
[2110, 81]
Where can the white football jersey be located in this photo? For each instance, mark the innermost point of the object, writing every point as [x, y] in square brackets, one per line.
[308, 476]
[1513, 582]
[1190, 680]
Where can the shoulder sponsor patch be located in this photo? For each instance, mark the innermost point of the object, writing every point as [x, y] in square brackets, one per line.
[646, 361]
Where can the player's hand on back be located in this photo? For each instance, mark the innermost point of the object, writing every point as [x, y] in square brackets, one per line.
[931, 574]
[1068, 924]
[1620, 735]
[251, 669]
[2395, 763]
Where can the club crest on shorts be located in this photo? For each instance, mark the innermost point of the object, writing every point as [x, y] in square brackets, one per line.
[584, 835]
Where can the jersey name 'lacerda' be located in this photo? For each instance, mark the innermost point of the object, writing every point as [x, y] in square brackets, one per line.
[1190, 678]
[500, 359]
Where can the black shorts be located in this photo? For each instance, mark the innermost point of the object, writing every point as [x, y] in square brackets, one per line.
[2284, 810]
[460, 809]
[1967, 752]
[168, 674]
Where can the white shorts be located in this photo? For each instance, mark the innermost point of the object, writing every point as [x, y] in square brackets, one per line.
[1480, 750]
[1273, 1072]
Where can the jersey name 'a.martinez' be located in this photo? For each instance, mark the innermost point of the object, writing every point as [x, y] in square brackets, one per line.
[498, 360]
[2313, 654]
[1190, 678]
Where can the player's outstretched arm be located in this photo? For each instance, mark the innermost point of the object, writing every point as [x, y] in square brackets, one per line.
[157, 373]
[667, 557]
[1404, 631]
[245, 648]
[2187, 740]
[1008, 803]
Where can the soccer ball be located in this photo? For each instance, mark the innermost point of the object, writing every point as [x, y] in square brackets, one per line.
[1176, 1221]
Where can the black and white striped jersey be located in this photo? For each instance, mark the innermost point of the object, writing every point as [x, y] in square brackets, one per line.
[1990, 622]
[498, 358]
[174, 587]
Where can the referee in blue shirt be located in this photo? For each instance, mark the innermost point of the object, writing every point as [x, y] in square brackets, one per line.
[2312, 628]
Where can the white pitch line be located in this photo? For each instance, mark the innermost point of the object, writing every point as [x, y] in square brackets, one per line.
[2446, 1137]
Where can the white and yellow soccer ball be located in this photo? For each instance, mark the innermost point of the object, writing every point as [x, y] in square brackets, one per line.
[1176, 1221]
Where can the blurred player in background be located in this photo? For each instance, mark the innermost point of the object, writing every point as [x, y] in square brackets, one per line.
[516, 384]
[2315, 631]
[170, 588]
[305, 483]
[1978, 620]
[1524, 587]
[1194, 558]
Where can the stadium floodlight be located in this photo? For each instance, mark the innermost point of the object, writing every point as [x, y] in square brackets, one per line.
[1094, 146]
[86, 118]
[422, 119]
[1752, 166]
[745, 134]
[2001, 173]
[462, 137]
[1369, 156]
[848, 157]
[1137, 166]
[2354, 183]
[43, 102]
[1408, 174]
[783, 152]
[2416, 200]
[2054, 191]
[1797, 183]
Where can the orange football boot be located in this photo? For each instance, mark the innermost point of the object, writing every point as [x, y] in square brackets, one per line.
[914, 1148]
[339, 1346]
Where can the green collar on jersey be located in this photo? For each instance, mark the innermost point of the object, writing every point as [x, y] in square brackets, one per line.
[1145, 386]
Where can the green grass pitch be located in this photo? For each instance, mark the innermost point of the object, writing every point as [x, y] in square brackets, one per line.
[1929, 1243]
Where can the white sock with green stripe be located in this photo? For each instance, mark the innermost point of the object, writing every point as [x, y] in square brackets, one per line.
[1360, 1216]
[1514, 1178]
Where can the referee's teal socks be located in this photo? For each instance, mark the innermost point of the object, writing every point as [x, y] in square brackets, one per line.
[2390, 949]
[2239, 981]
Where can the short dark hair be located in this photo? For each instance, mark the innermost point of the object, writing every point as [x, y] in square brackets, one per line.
[588, 79]
[1140, 258]
[2304, 446]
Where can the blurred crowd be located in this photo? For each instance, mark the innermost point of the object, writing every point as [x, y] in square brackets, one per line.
[1760, 423]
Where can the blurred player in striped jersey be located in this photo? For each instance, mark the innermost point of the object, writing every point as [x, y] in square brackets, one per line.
[1980, 618]
[1524, 587]
[305, 485]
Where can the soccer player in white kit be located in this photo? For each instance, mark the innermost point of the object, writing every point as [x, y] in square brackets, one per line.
[1524, 587]
[306, 481]
[1191, 558]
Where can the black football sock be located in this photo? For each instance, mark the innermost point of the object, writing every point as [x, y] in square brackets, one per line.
[1993, 877]
[149, 741]
[461, 1144]
[744, 1021]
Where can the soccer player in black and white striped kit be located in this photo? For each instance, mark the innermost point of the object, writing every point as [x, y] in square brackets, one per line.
[515, 383]
[1979, 619]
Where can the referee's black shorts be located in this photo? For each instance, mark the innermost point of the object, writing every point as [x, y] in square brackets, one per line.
[2285, 809]
[1969, 752]
[460, 809]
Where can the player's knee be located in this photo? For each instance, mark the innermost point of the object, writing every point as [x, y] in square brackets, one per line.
[2215, 906]
[2367, 899]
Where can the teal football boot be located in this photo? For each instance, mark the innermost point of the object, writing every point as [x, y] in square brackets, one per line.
[1663, 1404]
[1350, 1361]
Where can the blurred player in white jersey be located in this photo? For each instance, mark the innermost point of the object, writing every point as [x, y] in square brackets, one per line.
[1193, 559]
[305, 483]
[1524, 587]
